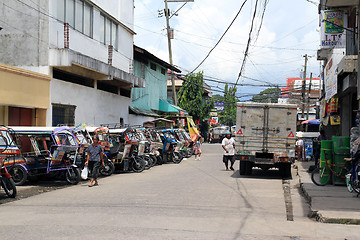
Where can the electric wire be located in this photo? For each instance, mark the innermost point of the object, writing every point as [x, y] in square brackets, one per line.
[220, 37]
[248, 44]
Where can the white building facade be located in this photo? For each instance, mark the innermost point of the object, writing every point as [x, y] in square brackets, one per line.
[85, 46]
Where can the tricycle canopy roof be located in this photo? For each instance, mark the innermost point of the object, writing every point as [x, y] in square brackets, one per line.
[33, 130]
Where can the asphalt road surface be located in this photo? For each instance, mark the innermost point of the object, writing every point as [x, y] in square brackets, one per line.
[190, 200]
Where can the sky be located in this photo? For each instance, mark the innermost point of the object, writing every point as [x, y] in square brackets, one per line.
[289, 30]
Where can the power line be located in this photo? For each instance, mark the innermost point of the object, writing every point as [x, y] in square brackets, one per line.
[220, 37]
[248, 44]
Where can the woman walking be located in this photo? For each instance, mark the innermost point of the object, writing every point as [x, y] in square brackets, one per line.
[197, 147]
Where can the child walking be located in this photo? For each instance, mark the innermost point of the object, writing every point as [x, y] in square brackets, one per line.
[197, 147]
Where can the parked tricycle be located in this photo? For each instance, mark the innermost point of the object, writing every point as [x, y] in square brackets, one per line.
[47, 151]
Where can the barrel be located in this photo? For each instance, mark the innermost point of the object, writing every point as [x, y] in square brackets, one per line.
[341, 148]
[326, 155]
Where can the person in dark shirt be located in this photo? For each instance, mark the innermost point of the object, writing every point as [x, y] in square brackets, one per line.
[94, 159]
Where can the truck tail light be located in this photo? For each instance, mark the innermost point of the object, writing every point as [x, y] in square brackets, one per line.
[284, 159]
[245, 158]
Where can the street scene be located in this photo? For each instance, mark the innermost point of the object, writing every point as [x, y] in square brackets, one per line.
[179, 119]
[191, 200]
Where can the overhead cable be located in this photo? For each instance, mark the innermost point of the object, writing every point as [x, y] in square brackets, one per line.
[220, 37]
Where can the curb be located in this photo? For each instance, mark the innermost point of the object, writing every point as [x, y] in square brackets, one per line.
[318, 216]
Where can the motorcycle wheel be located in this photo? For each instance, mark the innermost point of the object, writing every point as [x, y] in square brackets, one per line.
[107, 169]
[176, 157]
[73, 175]
[148, 162]
[19, 174]
[154, 160]
[9, 186]
[159, 160]
[138, 165]
[188, 153]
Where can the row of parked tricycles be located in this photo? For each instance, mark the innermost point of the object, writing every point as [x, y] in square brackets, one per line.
[32, 153]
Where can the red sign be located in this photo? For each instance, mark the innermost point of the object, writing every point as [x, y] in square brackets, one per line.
[291, 134]
[239, 132]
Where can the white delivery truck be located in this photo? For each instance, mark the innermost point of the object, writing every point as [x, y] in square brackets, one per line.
[265, 136]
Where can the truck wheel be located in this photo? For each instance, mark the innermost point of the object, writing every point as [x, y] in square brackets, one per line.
[288, 170]
[242, 167]
[285, 170]
[248, 168]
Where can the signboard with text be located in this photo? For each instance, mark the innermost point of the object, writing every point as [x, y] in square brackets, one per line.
[332, 29]
[330, 75]
[220, 106]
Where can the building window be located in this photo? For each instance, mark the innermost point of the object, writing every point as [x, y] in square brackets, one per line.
[77, 13]
[153, 66]
[163, 71]
[63, 115]
[108, 32]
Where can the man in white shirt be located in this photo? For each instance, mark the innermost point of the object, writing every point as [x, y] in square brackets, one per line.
[228, 144]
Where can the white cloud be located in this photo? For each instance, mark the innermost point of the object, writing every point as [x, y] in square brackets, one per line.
[288, 33]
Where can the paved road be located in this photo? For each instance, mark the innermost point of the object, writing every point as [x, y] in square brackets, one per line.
[191, 200]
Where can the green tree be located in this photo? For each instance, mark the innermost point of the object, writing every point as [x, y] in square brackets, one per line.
[228, 116]
[191, 97]
[268, 95]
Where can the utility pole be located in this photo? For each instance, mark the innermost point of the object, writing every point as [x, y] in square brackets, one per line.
[308, 102]
[303, 88]
[308, 98]
[167, 13]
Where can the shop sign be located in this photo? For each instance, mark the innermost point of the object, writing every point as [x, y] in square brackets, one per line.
[330, 74]
[332, 29]
[220, 106]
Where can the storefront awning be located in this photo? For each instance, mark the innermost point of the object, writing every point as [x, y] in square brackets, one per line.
[165, 106]
[140, 111]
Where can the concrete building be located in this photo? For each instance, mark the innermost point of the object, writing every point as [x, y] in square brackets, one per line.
[86, 47]
[293, 93]
[339, 22]
[150, 102]
[24, 97]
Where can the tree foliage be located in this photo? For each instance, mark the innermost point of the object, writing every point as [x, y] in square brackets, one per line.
[228, 116]
[269, 95]
[191, 97]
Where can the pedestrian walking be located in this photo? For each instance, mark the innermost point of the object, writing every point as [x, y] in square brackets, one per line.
[300, 149]
[94, 159]
[228, 144]
[197, 147]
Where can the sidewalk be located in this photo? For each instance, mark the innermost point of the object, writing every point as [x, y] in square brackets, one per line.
[329, 204]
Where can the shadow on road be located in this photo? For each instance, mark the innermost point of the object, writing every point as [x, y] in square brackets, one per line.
[259, 173]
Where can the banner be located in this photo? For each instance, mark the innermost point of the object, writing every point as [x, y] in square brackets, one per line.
[330, 75]
[192, 129]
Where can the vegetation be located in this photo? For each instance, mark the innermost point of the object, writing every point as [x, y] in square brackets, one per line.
[228, 116]
[269, 95]
[191, 97]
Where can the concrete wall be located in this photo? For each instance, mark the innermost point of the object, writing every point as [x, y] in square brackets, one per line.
[24, 37]
[23, 88]
[139, 119]
[92, 106]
